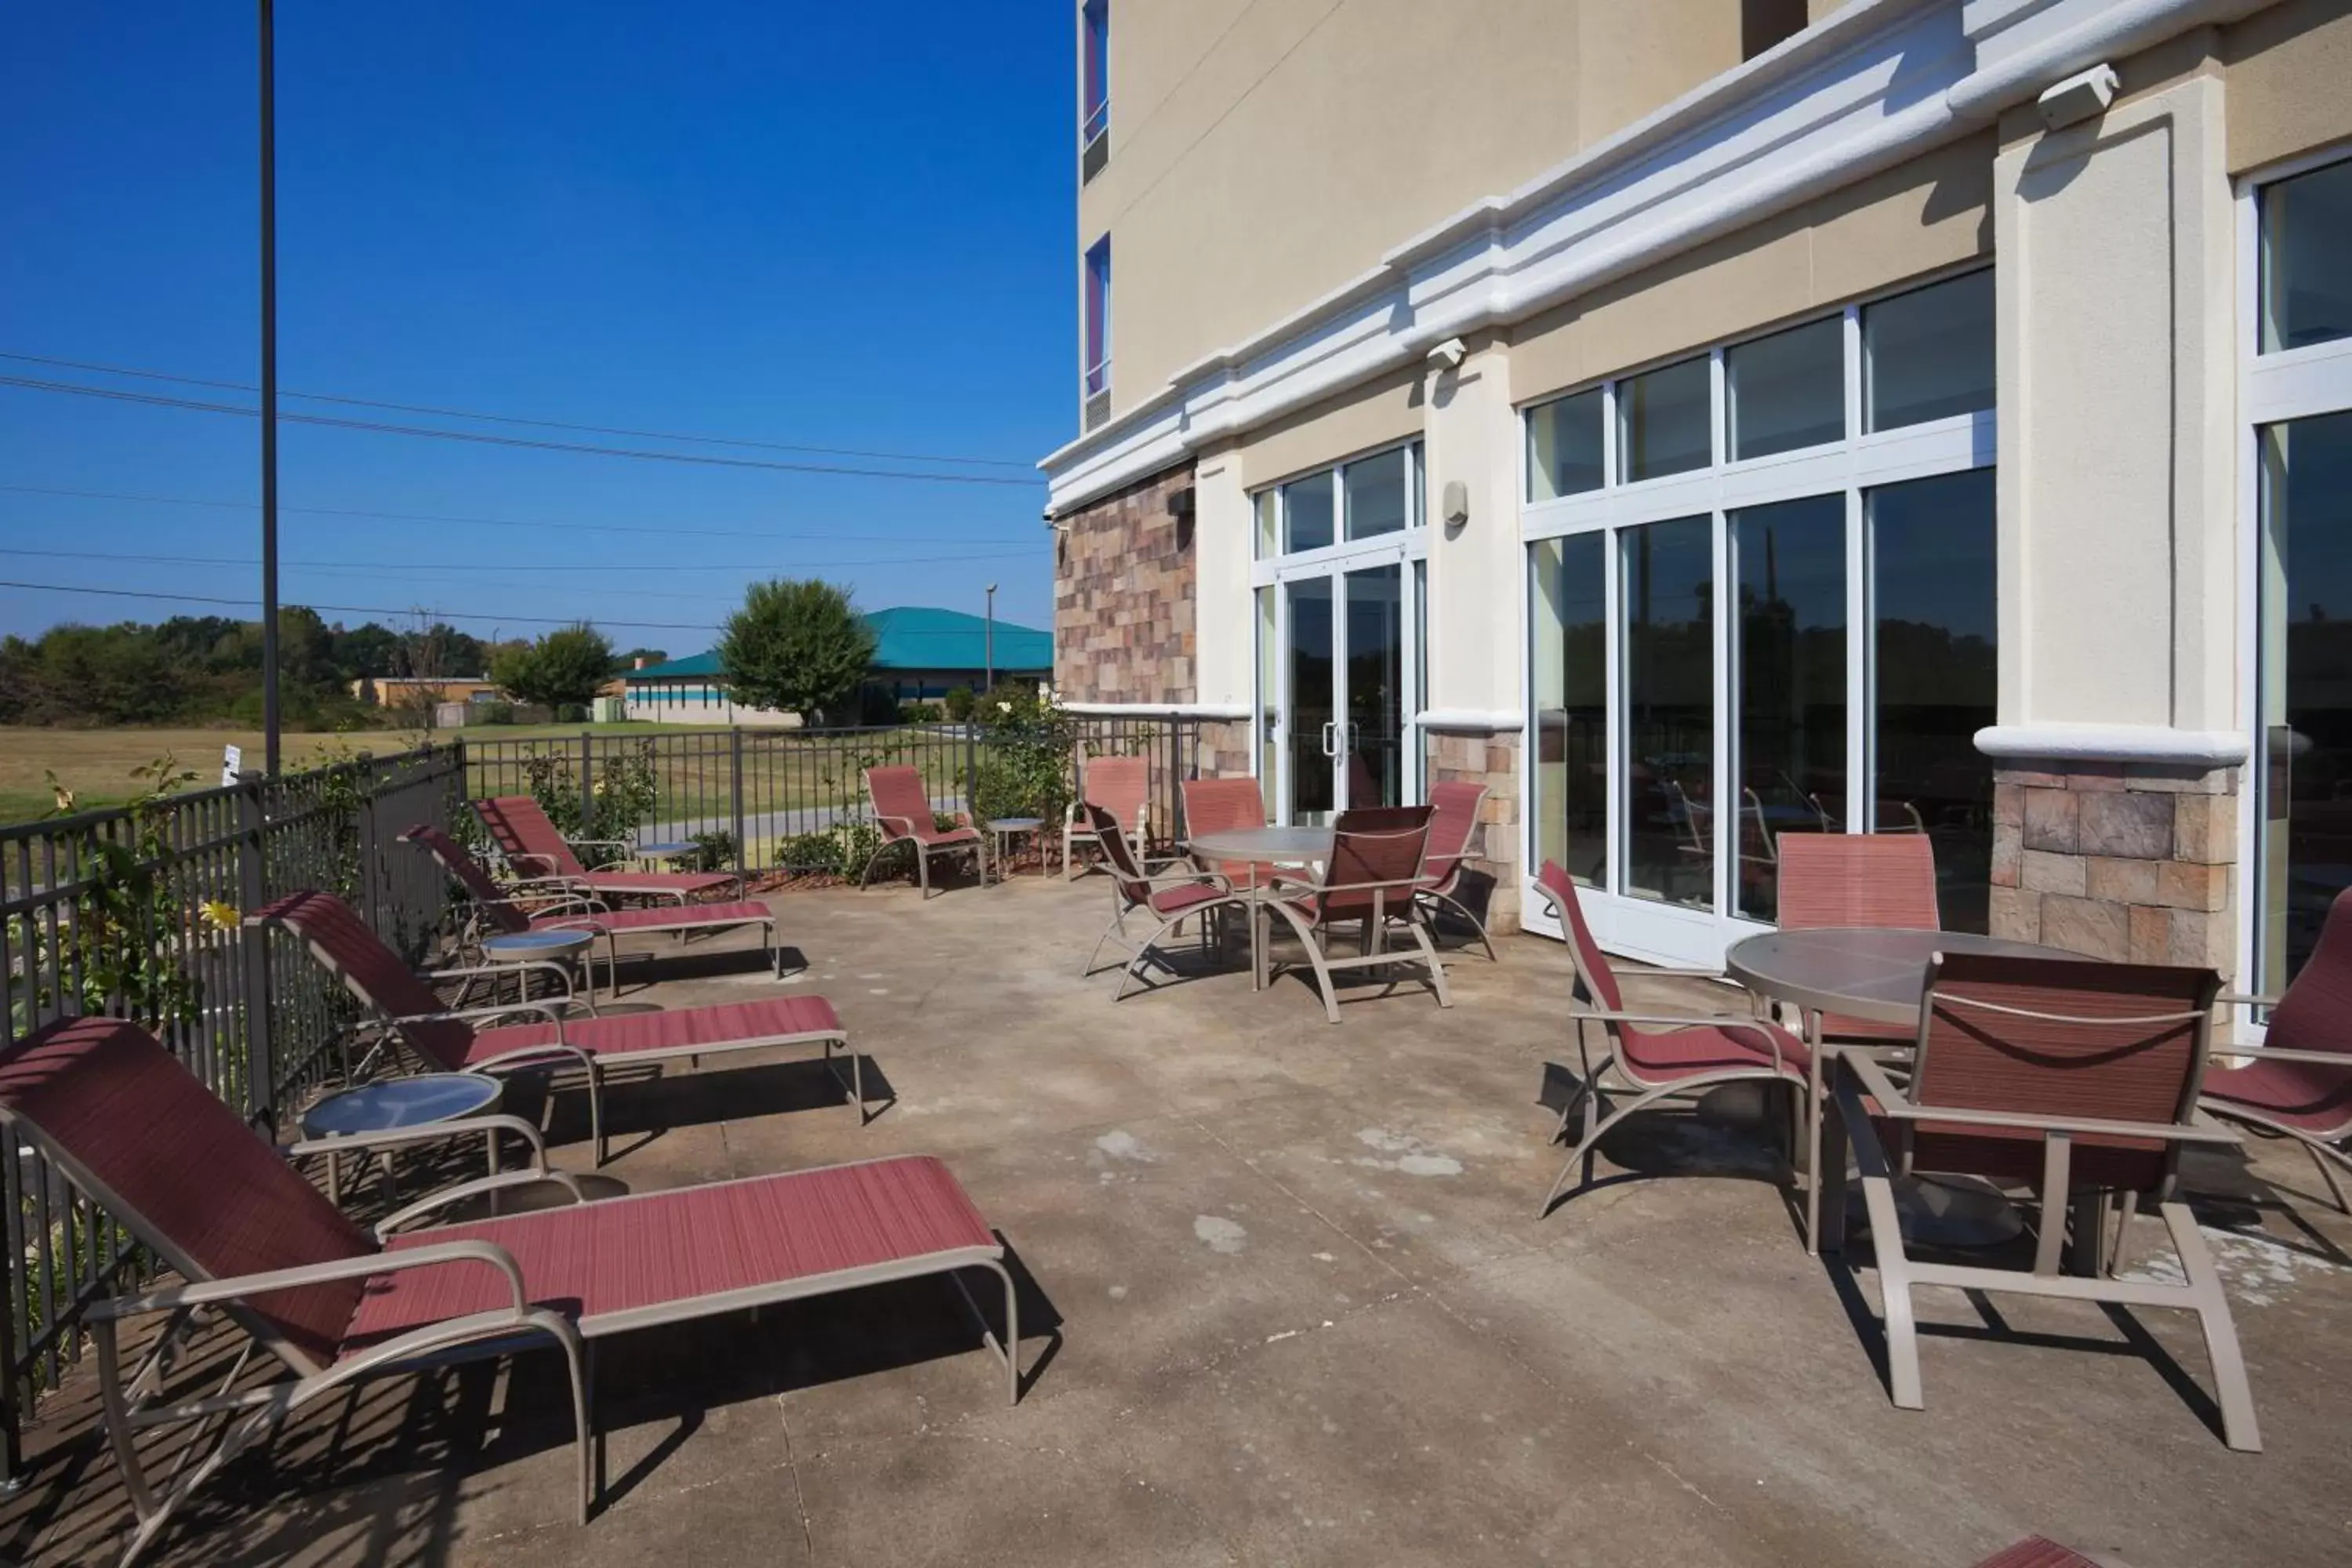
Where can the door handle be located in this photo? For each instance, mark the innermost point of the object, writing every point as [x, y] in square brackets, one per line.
[1330, 737]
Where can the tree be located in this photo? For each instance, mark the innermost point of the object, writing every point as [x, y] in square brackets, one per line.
[796, 647]
[628, 661]
[562, 670]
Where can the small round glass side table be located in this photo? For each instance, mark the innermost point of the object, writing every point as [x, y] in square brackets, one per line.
[391, 1104]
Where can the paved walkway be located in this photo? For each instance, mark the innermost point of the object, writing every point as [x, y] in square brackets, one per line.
[1306, 1315]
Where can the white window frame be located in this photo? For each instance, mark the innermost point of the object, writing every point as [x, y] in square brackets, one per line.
[2274, 387]
[1405, 547]
[1859, 462]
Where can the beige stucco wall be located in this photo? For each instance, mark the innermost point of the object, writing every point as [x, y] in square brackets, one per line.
[1262, 155]
[1221, 547]
[1929, 214]
[2290, 80]
[1386, 409]
[2115, 291]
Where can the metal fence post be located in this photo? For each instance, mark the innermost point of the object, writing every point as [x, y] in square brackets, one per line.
[971, 766]
[735, 790]
[253, 974]
[587, 785]
[371, 867]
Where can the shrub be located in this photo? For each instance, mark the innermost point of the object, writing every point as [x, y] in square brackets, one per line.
[920, 713]
[714, 850]
[1024, 769]
[958, 702]
[570, 713]
[493, 713]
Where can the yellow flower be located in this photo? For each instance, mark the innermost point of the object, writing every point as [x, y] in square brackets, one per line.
[64, 798]
[219, 914]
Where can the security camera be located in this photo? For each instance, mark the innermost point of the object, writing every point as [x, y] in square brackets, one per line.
[1451, 353]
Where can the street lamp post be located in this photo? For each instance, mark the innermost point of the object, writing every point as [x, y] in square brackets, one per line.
[990, 671]
[271, 717]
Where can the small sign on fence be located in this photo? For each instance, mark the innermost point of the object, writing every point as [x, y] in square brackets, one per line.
[232, 763]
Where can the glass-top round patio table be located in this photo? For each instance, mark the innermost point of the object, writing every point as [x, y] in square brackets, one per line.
[1881, 975]
[1873, 974]
[1260, 846]
[1280, 845]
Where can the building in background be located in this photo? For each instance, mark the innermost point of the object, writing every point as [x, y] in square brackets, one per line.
[1702, 421]
[919, 654]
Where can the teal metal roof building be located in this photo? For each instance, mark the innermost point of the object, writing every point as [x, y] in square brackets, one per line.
[918, 653]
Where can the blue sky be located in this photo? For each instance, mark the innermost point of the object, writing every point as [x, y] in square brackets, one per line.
[832, 226]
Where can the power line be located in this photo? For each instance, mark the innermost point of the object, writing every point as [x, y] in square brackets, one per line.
[483, 438]
[499, 619]
[489, 521]
[476, 570]
[516, 419]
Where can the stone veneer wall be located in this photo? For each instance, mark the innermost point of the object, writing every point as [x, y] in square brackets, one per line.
[2123, 861]
[1493, 761]
[1124, 621]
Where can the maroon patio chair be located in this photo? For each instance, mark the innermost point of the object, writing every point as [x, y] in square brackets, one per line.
[1658, 1056]
[2298, 1082]
[1228, 806]
[449, 1040]
[525, 834]
[1167, 898]
[492, 908]
[903, 811]
[1846, 881]
[329, 1304]
[1121, 786]
[2074, 1077]
[1454, 818]
[2039, 1551]
[1369, 882]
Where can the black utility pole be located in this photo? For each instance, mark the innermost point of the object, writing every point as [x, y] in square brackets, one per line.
[269, 712]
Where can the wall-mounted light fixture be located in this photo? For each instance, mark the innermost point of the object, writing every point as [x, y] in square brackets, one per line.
[1453, 505]
[1450, 353]
[2082, 97]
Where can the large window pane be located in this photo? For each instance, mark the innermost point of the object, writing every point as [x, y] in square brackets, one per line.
[1668, 577]
[1928, 354]
[1571, 701]
[2307, 686]
[2307, 258]
[1376, 499]
[1564, 446]
[1663, 421]
[1790, 727]
[1933, 589]
[1307, 512]
[1788, 390]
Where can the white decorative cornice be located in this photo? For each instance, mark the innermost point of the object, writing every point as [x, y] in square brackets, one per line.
[2114, 744]
[1871, 86]
[1470, 720]
[1157, 710]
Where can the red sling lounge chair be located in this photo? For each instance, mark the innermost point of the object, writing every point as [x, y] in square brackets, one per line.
[1370, 881]
[1169, 899]
[2073, 1076]
[1850, 881]
[330, 1303]
[1453, 818]
[496, 908]
[450, 1042]
[1658, 1055]
[1121, 786]
[528, 840]
[2298, 1083]
[903, 811]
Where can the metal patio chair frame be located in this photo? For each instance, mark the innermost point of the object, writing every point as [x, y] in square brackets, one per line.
[320, 1297]
[526, 836]
[906, 818]
[1135, 886]
[1357, 887]
[1774, 1056]
[2317, 1007]
[1994, 1034]
[1121, 785]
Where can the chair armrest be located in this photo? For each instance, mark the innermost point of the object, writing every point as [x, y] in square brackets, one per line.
[895, 827]
[514, 857]
[207, 1292]
[2248, 999]
[1224, 883]
[1897, 1105]
[392, 1223]
[466, 970]
[467, 1014]
[2338, 1059]
[1693, 1020]
[1672, 971]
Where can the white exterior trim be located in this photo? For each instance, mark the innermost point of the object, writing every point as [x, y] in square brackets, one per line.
[1878, 82]
[1470, 720]
[2114, 743]
[1157, 710]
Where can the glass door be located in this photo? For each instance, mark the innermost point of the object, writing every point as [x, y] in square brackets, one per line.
[1373, 747]
[1311, 713]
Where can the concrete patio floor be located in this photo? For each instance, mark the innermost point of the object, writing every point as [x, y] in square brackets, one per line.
[1287, 1302]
